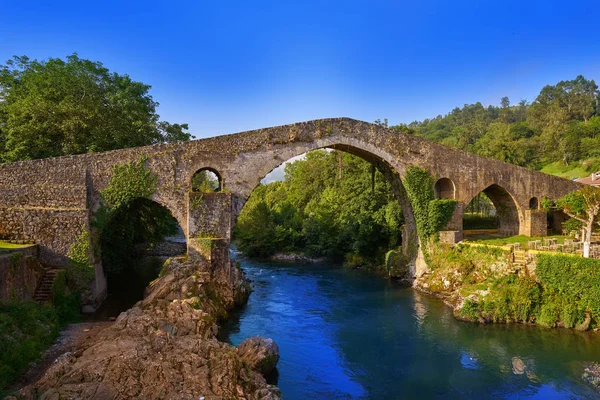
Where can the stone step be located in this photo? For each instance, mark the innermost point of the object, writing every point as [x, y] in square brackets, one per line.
[43, 293]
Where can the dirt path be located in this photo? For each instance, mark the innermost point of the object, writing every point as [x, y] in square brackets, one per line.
[67, 340]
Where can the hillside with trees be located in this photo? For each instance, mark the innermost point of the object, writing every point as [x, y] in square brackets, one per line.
[558, 133]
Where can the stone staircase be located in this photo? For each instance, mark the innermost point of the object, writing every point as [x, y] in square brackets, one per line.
[520, 258]
[43, 293]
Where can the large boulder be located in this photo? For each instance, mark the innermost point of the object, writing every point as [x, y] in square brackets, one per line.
[259, 353]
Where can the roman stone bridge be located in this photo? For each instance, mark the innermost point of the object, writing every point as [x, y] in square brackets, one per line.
[52, 200]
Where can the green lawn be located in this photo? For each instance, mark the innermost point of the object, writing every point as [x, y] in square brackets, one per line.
[502, 241]
[565, 171]
[6, 245]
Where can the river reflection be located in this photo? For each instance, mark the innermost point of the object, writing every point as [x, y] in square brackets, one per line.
[349, 334]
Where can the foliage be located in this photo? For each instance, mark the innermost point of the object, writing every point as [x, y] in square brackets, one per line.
[431, 214]
[26, 329]
[510, 299]
[560, 127]
[582, 205]
[129, 182]
[440, 213]
[79, 254]
[571, 288]
[66, 303]
[571, 225]
[565, 291]
[58, 107]
[355, 218]
[419, 189]
[394, 261]
[129, 216]
[205, 181]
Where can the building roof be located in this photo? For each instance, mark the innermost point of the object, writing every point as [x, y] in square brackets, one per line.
[593, 179]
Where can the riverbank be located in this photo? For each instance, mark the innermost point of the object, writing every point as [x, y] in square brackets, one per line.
[165, 346]
[484, 284]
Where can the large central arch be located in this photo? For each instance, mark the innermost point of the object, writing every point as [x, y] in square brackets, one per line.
[381, 160]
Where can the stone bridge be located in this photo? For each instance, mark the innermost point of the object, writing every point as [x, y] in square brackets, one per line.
[52, 200]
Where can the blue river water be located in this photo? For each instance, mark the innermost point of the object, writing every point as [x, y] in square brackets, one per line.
[346, 334]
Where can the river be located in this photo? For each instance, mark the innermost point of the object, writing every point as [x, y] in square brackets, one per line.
[345, 334]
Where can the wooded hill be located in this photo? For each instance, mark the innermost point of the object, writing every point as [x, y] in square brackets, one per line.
[558, 133]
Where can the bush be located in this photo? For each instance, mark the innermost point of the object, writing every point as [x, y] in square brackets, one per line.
[66, 303]
[571, 288]
[26, 330]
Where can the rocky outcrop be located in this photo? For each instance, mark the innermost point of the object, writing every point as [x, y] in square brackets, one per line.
[165, 347]
[259, 354]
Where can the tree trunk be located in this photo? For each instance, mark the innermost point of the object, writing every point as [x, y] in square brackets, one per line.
[587, 240]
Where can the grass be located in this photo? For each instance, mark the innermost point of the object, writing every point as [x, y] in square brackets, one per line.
[475, 221]
[565, 171]
[502, 241]
[6, 245]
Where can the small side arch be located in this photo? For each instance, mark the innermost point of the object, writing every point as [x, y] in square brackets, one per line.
[534, 203]
[206, 179]
[444, 189]
[505, 212]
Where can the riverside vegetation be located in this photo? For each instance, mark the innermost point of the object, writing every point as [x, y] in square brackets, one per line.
[479, 283]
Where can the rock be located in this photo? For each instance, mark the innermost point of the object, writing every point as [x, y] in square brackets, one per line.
[259, 353]
[591, 374]
[585, 325]
[165, 347]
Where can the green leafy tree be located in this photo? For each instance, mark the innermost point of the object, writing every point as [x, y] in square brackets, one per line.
[57, 107]
[584, 206]
[354, 218]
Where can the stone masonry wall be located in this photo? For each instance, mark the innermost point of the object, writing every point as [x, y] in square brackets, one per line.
[20, 275]
[54, 230]
[209, 215]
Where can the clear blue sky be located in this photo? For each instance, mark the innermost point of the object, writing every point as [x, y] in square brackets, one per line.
[225, 67]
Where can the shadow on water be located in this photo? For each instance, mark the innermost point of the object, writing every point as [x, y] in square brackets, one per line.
[127, 288]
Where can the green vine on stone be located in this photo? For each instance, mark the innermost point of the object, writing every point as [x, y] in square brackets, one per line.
[80, 257]
[196, 199]
[440, 213]
[129, 182]
[431, 215]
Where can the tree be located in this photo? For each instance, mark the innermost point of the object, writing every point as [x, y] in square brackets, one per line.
[582, 205]
[58, 107]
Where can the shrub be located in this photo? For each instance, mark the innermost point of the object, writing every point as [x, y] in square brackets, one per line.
[26, 329]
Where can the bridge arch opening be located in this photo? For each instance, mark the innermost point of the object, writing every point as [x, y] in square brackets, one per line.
[337, 202]
[444, 189]
[135, 240]
[206, 180]
[534, 203]
[493, 211]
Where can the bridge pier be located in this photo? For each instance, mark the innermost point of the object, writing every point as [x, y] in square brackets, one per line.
[209, 226]
[535, 223]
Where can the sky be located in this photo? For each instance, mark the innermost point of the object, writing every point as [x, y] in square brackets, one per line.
[225, 66]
